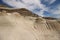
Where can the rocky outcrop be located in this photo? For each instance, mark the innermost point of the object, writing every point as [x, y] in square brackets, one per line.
[21, 11]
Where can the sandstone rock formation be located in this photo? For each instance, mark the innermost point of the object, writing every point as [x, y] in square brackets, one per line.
[22, 24]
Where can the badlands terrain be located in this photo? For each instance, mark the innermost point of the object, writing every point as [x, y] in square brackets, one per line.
[21, 24]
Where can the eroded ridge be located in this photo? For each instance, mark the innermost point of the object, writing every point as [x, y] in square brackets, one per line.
[16, 26]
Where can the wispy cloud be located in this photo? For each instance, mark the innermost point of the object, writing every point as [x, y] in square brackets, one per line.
[35, 6]
[50, 1]
[28, 4]
[55, 11]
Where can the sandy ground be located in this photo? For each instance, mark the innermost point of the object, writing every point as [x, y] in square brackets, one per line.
[13, 27]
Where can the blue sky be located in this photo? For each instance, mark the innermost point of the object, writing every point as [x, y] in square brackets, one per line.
[46, 8]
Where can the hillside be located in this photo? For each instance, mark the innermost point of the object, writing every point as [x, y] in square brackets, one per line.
[22, 24]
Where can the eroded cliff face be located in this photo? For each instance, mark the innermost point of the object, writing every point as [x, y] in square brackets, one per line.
[24, 25]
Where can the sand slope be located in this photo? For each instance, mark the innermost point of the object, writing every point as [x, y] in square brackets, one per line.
[14, 26]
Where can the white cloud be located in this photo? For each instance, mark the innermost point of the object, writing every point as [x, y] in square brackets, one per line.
[14, 4]
[28, 4]
[50, 1]
[56, 10]
[32, 4]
